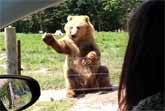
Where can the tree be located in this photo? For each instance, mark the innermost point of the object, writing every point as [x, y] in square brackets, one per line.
[106, 15]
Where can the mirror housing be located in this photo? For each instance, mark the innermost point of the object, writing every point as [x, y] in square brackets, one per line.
[33, 87]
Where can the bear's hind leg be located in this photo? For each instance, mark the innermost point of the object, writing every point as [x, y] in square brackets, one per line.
[102, 76]
[71, 83]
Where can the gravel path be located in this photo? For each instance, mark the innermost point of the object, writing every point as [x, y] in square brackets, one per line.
[53, 95]
[100, 101]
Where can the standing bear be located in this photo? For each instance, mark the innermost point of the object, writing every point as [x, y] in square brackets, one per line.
[82, 68]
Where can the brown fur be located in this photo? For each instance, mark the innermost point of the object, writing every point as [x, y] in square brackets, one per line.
[82, 67]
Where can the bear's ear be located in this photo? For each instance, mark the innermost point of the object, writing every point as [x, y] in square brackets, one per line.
[69, 18]
[86, 18]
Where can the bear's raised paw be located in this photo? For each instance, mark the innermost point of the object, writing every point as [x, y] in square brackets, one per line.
[48, 38]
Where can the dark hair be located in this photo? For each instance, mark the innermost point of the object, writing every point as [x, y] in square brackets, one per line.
[142, 73]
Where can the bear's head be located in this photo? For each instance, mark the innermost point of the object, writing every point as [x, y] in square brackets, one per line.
[79, 28]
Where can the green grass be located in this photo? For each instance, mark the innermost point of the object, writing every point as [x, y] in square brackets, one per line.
[112, 46]
[37, 57]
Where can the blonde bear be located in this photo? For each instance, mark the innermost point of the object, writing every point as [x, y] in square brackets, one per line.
[82, 67]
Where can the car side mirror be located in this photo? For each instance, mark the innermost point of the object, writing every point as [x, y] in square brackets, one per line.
[17, 92]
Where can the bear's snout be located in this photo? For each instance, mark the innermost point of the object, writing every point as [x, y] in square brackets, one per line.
[73, 36]
[74, 31]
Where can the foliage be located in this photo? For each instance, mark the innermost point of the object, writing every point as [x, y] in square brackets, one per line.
[106, 15]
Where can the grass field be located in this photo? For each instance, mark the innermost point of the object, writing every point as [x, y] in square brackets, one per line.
[46, 65]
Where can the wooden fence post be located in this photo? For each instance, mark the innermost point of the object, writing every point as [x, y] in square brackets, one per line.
[10, 40]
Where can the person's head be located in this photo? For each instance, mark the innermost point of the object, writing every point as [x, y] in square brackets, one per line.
[142, 72]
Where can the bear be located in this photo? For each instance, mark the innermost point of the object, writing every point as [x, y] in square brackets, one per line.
[82, 67]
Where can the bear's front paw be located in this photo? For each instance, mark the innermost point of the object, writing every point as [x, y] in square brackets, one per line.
[90, 59]
[48, 38]
[70, 93]
[86, 61]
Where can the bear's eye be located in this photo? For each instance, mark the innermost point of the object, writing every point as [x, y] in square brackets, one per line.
[71, 27]
[78, 27]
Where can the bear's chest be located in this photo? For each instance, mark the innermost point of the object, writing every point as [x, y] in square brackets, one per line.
[85, 48]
